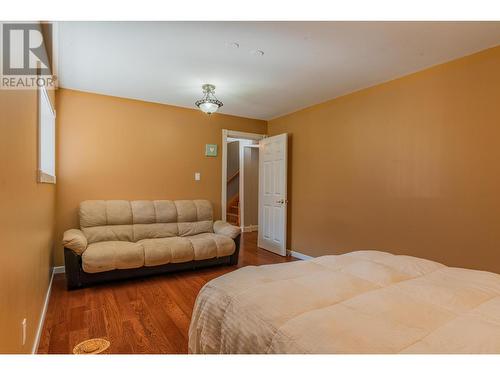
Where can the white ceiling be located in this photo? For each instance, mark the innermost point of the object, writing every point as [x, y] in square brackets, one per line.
[304, 63]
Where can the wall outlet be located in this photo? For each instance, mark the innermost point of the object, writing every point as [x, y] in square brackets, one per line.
[197, 176]
[23, 331]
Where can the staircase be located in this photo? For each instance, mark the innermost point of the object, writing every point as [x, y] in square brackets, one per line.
[233, 211]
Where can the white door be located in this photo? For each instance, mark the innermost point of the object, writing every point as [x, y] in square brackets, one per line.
[272, 193]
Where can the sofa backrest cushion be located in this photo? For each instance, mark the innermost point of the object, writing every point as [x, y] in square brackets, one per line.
[119, 220]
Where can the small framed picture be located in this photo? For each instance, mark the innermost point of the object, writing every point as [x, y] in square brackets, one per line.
[210, 150]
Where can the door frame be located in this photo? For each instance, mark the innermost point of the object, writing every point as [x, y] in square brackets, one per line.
[227, 133]
[242, 186]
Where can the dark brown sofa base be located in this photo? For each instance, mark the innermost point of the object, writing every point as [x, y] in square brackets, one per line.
[76, 277]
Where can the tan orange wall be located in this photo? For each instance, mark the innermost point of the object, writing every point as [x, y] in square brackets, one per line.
[27, 211]
[411, 166]
[114, 148]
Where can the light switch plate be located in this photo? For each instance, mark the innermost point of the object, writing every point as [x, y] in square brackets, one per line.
[197, 176]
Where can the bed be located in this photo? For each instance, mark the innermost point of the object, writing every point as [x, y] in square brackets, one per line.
[359, 302]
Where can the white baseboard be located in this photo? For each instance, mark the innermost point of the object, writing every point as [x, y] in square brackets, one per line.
[250, 228]
[59, 269]
[300, 256]
[36, 342]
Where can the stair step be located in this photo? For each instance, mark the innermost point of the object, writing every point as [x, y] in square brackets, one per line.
[231, 214]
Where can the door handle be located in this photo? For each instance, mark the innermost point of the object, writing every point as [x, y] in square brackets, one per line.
[282, 201]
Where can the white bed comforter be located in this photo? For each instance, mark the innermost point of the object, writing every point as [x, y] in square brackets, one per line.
[360, 302]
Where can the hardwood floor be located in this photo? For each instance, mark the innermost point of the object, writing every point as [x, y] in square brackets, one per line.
[149, 315]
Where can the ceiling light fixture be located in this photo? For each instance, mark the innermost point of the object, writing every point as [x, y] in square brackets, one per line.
[209, 103]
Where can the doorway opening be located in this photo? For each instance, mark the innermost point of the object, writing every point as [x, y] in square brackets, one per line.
[240, 179]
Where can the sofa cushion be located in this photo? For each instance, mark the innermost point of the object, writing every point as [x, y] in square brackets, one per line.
[109, 233]
[156, 230]
[166, 212]
[204, 247]
[225, 245]
[111, 255]
[186, 210]
[160, 251]
[143, 212]
[194, 217]
[193, 210]
[190, 229]
[119, 220]
[184, 249]
[210, 245]
[118, 212]
[204, 210]
[92, 214]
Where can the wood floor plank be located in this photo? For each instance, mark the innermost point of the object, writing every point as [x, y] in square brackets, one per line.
[153, 329]
[145, 315]
[94, 321]
[164, 304]
[59, 340]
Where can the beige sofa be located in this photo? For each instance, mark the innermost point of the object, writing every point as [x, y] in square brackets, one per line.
[121, 239]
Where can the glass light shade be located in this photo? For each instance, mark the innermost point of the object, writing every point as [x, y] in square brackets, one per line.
[208, 107]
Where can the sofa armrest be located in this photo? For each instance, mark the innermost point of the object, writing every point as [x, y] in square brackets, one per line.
[226, 229]
[75, 240]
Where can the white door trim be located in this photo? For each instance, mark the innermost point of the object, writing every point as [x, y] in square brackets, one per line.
[242, 183]
[227, 133]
